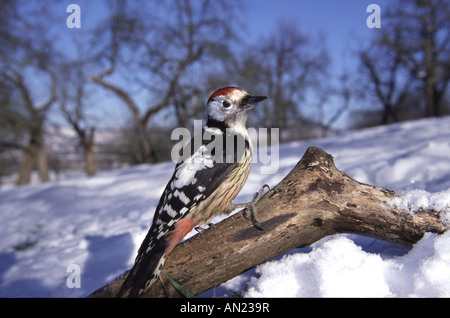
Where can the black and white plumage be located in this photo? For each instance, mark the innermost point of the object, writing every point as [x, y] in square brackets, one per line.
[202, 186]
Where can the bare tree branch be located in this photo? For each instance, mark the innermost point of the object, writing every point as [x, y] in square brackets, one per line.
[313, 201]
[140, 122]
[421, 40]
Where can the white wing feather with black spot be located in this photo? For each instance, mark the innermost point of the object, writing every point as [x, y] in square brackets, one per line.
[192, 181]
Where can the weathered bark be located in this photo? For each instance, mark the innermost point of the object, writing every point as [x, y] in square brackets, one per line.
[34, 155]
[26, 167]
[90, 161]
[86, 137]
[313, 201]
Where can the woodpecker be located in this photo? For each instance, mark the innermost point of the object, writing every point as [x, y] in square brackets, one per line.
[202, 186]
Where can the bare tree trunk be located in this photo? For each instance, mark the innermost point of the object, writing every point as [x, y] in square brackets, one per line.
[90, 161]
[34, 155]
[26, 168]
[87, 141]
[42, 163]
[313, 201]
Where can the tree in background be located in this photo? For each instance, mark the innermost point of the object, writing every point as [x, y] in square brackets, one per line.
[386, 79]
[419, 33]
[158, 61]
[406, 67]
[73, 103]
[26, 71]
[164, 57]
[290, 67]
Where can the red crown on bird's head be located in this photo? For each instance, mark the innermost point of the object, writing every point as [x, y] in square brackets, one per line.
[223, 92]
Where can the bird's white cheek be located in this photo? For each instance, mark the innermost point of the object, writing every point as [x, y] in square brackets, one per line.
[216, 114]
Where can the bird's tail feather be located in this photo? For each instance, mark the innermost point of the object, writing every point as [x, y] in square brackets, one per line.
[148, 263]
[145, 271]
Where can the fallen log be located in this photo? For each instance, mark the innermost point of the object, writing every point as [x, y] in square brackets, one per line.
[313, 201]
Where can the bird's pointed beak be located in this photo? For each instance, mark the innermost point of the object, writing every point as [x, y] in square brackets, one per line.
[249, 102]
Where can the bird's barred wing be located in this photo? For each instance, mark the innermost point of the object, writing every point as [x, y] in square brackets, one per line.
[201, 173]
[193, 180]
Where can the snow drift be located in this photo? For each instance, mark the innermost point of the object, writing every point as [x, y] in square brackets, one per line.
[97, 223]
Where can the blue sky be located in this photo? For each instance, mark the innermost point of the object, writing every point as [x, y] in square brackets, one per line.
[342, 23]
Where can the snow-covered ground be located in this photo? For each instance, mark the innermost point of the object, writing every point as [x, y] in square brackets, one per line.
[96, 224]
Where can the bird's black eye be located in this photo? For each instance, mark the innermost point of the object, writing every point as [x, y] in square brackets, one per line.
[226, 104]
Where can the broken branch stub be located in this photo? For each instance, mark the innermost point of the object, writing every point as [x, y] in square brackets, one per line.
[313, 201]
